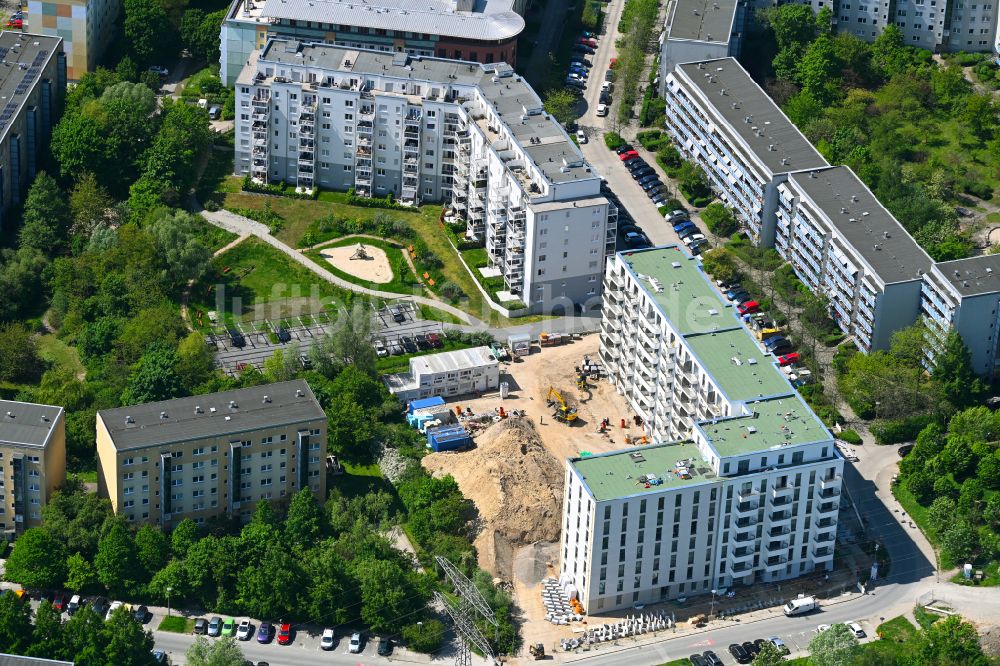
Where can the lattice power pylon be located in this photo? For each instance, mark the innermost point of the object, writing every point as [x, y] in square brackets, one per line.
[463, 614]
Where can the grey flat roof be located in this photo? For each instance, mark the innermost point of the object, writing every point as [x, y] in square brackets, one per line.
[540, 136]
[714, 76]
[18, 660]
[460, 359]
[24, 57]
[26, 423]
[973, 276]
[897, 258]
[703, 20]
[215, 419]
[490, 20]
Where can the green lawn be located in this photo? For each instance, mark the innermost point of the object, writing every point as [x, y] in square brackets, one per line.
[177, 624]
[59, 354]
[403, 280]
[212, 236]
[361, 479]
[897, 630]
[683, 661]
[991, 575]
[919, 515]
[427, 312]
[924, 617]
[272, 285]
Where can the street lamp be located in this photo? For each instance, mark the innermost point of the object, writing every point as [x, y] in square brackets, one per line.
[877, 403]
[711, 612]
[169, 590]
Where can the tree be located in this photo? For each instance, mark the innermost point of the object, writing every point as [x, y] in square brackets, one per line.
[719, 219]
[282, 365]
[47, 636]
[19, 361]
[76, 518]
[46, 216]
[960, 541]
[117, 560]
[836, 646]
[561, 103]
[90, 204]
[791, 24]
[330, 591]
[387, 595]
[272, 588]
[720, 263]
[148, 32]
[153, 378]
[817, 71]
[184, 536]
[195, 362]
[426, 636]
[20, 281]
[949, 642]
[200, 33]
[128, 644]
[954, 375]
[80, 573]
[352, 340]
[304, 524]
[889, 51]
[184, 254]
[941, 514]
[768, 655]
[221, 652]
[15, 623]
[38, 561]
[153, 549]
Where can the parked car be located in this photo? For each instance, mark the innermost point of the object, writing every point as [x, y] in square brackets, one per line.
[15, 23]
[396, 313]
[244, 631]
[396, 349]
[434, 340]
[698, 247]
[384, 647]
[747, 307]
[582, 48]
[581, 137]
[140, 614]
[586, 41]
[74, 604]
[59, 602]
[788, 359]
[633, 239]
[282, 334]
[200, 626]
[783, 347]
[734, 292]
[639, 174]
[779, 644]
[236, 338]
[602, 110]
[654, 185]
[658, 198]
[609, 75]
[648, 178]
[265, 632]
[739, 654]
[687, 231]
[693, 238]
[636, 164]
[572, 76]
[380, 348]
[229, 627]
[408, 344]
[357, 643]
[161, 71]
[422, 342]
[774, 341]
[697, 660]
[712, 658]
[580, 73]
[607, 86]
[575, 83]
[161, 658]
[115, 605]
[686, 224]
[904, 450]
[580, 60]
[605, 98]
[328, 640]
[285, 634]
[626, 228]
[628, 155]
[856, 629]
[624, 148]
[751, 648]
[822, 628]
[675, 216]
[215, 626]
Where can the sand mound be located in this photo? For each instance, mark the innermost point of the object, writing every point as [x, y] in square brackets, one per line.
[374, 268]
[516, 485]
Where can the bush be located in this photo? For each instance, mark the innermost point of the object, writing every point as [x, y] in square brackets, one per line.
[850, 436]
[426, 637]
[894, 431]
[281, 189]
[451, 291]
[613, 140]
[368, 202]
[719, 219]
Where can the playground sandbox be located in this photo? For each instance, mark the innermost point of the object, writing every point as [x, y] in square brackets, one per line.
[366, 262]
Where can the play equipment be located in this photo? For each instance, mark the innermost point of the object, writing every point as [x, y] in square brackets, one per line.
[361, 253]
[563, 412]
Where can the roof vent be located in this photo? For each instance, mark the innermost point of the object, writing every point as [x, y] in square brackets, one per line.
[229, 418]
[299, 393]
[854, 198]
[842, 210]
[675, 264]
[198, 409]
[637, 457]
[129, 419]
[211, 410]
[45, 419]
[885, 234]
[267, 399]
[989, 271]
[751, 361]
[751, 429]
[10, 415]
[722, 91]
[877, 247]
[163, 415]
[232, 404]
[770, 147]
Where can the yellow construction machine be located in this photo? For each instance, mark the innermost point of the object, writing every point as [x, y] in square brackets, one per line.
[563, 412]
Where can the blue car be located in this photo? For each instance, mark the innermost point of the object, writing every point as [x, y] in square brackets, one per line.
[686, 224]
[579, 71]
[776, 341]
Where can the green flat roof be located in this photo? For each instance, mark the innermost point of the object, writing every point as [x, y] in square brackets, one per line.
[687, 298]
[614, 475]
[753, 373]
[779, 422]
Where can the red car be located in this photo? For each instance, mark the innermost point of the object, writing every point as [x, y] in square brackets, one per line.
[788, 359]
[592, 43]
[748, 307]
[14, 23]
[628, 155]
[284, 634]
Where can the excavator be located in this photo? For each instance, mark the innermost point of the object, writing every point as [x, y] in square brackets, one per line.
[563, 412]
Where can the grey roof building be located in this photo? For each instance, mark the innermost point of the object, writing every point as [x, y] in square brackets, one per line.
[18, 660]
[32, 461]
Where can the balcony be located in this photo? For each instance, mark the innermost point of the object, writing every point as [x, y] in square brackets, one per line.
[779, 518]
[773, 564]
[744, 537]
[824, 523]
[747, 495]
[742, 568]
[782, 491]
[822, 553]
[828, 508]
[745, 509]
[743, 554]
[831, 483]
[778, 531]
[775, 545]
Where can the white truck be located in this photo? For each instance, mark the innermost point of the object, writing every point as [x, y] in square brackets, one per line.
[801, 606]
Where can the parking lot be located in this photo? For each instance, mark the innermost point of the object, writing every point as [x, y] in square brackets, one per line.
[251, 343]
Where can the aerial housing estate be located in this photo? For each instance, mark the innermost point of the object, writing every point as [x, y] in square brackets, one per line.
[211, 455]
[32, 86]
[32, 462]
[446, 374]
[472, 135]
[477, 30]
[742, 482]
[840, 240]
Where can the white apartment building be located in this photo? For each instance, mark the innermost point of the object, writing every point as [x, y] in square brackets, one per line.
[720, 119]
[742, 485]
[702, 30]
[474, 136]
[446, 374]
[965, 294]
[843, 243]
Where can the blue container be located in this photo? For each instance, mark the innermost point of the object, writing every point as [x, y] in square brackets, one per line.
[423, 403]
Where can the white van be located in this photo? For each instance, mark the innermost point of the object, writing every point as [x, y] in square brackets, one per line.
[801, 606]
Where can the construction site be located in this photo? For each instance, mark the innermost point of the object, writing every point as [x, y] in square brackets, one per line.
[556, 405]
